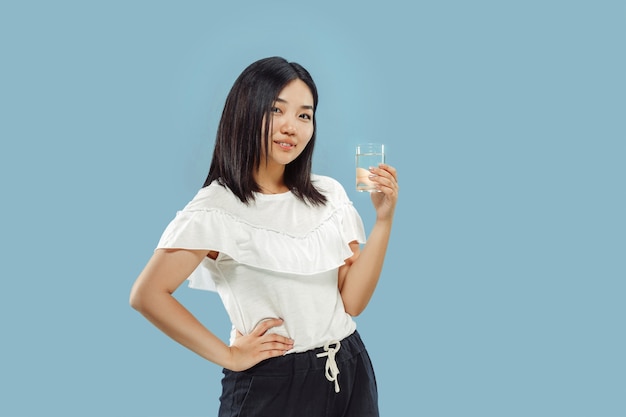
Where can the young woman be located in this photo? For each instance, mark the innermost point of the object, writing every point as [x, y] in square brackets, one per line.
[286, 251]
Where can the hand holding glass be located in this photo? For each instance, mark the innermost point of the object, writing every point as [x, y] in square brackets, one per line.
[368, 155]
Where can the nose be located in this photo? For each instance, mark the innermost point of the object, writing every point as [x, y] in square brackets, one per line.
[287, 128]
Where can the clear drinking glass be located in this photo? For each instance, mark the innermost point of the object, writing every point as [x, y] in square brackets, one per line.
[368, 155]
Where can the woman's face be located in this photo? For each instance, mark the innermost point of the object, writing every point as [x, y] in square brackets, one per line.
[291, 124]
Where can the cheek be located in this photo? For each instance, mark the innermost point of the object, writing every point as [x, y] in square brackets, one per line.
[308, 139]
[308, 134]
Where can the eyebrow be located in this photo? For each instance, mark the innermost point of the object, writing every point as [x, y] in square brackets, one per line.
[304, 106]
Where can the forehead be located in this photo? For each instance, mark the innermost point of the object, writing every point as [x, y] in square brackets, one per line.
[296, 92]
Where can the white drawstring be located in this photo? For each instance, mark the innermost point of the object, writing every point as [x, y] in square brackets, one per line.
[332, 370]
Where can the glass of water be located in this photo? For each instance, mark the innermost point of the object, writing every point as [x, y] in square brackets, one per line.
[368, 155]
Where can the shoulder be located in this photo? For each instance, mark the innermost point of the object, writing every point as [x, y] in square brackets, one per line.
[213, 195]
[325, 183]
[330, 187]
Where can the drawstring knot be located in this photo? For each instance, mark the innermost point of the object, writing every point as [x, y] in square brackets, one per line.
[332, 370]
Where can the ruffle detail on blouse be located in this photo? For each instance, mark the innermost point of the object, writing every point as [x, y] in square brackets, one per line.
[323, 248]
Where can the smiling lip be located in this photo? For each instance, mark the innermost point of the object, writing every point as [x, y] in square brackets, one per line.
[285, 144]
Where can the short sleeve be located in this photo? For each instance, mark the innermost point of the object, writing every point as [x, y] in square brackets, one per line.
[261, 235]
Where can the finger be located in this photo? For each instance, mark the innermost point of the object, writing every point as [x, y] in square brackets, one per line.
[276, 346]
[276, 338]
[384, 182]
[384, 169]
[390, 174]
[381, 177]
[265, 325]
[271, 354]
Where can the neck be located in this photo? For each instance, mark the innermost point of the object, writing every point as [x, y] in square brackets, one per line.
[271, 181]
[273, 190]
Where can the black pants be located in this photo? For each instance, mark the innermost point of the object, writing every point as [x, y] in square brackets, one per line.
[298, 385]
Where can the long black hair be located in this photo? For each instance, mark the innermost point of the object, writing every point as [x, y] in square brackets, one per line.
[237, 152]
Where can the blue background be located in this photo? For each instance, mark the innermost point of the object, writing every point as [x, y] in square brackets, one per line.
[503, 290]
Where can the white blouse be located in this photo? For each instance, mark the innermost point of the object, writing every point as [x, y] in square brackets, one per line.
[278, 258]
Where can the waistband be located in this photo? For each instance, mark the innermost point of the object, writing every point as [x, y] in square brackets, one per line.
[336, 351]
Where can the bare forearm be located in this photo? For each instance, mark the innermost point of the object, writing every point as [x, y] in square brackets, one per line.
[363, 275]
[151, 295]
[167, 314]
